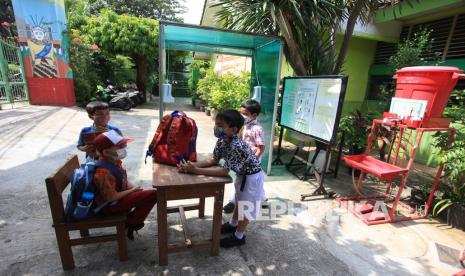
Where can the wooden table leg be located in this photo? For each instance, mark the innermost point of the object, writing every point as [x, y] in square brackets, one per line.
[217, 214]
[162, 228]
[201, 207]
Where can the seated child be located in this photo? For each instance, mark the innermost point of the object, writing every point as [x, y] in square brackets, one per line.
[99, 112]
[123, 197]
[252, 134]
[249, 181]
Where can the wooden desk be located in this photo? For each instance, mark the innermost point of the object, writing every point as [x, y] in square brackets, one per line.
[172, 185]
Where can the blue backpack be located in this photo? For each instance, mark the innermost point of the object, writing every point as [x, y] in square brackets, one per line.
[83, 182]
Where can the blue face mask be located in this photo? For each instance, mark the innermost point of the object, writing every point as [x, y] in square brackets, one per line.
[219, 132]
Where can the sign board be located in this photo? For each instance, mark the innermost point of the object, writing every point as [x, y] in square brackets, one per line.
[312, 105]
[408, 107]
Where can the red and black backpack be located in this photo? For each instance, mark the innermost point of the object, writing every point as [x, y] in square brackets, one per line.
[174, 140]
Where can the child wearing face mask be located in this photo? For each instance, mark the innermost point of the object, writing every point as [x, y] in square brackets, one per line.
[99, 112]
[238, 157]
[252, 134]
[120, 196]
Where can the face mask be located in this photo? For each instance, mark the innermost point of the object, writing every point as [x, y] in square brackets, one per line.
[246, 119]
[121, 153]
[101, 120]
[219, 132]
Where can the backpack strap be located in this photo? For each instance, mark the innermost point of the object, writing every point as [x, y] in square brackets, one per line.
[114, 171]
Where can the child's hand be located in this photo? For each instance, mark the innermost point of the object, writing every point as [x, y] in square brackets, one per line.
[88, 148]
[136, 188]
[186, 167]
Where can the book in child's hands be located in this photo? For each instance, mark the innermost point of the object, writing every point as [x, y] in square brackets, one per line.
[90, 136]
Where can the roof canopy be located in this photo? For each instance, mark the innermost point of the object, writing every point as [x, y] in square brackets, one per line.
[211, 40]
[265, 52]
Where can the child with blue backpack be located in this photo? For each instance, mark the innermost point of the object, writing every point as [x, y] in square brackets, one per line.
[120, 195]
[99, 112]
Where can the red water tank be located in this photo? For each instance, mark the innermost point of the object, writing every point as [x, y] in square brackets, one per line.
[431, 83]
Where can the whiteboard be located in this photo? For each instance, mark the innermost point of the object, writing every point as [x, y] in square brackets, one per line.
[312, 105]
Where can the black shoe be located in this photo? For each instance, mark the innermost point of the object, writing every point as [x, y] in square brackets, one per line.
[227, 228]
[131, 228]
[229, 208]
[232, 241]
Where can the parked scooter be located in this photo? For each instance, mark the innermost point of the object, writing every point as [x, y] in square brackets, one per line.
[114, 99]
[135, 95]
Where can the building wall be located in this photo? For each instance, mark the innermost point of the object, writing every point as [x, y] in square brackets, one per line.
[359, 58]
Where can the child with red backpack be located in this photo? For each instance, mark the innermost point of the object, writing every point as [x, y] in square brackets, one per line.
[238, 157]
[121, 197]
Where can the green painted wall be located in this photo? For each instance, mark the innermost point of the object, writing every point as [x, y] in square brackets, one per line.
[415, 8]
[357, 66]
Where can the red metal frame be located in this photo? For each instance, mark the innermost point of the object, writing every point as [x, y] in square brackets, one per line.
[390, 171]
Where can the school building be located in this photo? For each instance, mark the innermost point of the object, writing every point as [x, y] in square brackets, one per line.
[371, 46]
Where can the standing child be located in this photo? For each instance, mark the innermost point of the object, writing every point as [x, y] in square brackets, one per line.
[119, 194]
[252, 134]
[99, 112]
[249, 181]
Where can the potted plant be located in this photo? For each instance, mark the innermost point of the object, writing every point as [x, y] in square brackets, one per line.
[207, 111]
[355, 127]
[451, 206]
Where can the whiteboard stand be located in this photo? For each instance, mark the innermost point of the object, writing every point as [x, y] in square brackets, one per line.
[312, 106]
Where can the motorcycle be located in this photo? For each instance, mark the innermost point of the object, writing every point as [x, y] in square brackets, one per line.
[114, 99]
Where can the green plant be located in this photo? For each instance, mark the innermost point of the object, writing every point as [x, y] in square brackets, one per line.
[85, 75]
[356, 127]
[126, 35]
[454, 159]
[414, 51]
[206, 84]
[231, 91]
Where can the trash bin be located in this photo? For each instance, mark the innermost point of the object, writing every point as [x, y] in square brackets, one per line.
[431, 83]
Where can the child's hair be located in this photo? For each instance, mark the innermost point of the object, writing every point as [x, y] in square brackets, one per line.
[231, 117]
[96, 105]
[252, 106]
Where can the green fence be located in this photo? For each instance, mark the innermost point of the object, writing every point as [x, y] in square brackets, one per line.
[13, 86]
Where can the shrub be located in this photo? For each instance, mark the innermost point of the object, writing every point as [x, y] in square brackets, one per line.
[224, 92]
[84, 73]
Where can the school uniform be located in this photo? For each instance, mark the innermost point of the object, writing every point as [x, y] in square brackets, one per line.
[248, 184]
[253, 135]
[90, 129]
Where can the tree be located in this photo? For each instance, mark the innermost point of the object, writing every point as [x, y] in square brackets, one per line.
[309, 27]
[301, 23]
[7, 18]
[128, 35]
[155, 9]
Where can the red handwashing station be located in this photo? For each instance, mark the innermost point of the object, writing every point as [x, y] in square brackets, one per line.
[422, 93]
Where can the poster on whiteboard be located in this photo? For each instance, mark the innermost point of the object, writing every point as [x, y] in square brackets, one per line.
[312, 105]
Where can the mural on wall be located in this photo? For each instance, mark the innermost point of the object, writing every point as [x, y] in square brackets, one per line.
[43, 39]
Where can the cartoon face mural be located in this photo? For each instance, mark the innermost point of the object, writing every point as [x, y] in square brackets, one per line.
[42, 35]
[38, 33]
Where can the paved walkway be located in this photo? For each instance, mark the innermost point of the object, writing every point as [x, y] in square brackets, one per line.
[314, 238]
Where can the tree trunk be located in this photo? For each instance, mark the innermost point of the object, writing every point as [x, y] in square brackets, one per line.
[141, 65]
[294, 53]
[351, 21]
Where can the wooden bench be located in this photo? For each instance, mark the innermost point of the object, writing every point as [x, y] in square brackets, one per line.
[56, 184]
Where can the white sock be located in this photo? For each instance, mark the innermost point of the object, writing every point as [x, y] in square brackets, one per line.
[233, 222]
[239, 235]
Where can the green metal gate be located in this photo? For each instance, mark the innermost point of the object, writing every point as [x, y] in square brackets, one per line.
[13, 86]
